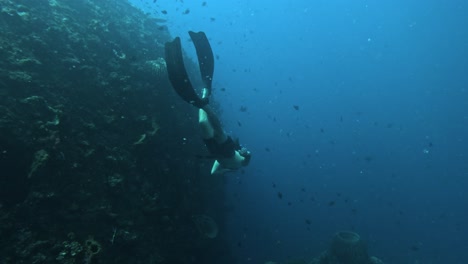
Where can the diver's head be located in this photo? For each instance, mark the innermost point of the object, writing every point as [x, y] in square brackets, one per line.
[246, 154]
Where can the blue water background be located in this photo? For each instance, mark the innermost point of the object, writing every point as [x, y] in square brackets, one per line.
[379, 142]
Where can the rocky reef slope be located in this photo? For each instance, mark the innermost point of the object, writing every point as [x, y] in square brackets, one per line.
[96, 150]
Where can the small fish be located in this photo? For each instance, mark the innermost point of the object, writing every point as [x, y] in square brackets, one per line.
[164, 12]
[414, 248]
[280, 195]
[203, 4]
[308, 221]
[273, 185]
[187, 11]
[267, 149]
[212, 19]
[296, 107]
[331, 203]
[239, 123]
[154, 1]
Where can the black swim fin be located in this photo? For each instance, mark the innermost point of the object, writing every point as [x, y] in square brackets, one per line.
[178, 75]
[205, 57]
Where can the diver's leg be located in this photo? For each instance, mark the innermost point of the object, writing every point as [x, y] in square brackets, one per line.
[178, 75]
[205, 125]
[205, 57]
[214, 123]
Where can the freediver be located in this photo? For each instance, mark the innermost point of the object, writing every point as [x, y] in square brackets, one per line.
[229, 155]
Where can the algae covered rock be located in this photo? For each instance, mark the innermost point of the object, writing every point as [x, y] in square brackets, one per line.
[206, 226]
[346, 247]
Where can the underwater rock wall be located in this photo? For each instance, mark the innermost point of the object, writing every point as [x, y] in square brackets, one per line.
[97, 153]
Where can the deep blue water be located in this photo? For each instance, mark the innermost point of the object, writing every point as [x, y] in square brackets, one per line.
[378, 143]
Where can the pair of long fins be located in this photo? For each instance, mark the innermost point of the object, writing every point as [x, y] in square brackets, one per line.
[176, 70]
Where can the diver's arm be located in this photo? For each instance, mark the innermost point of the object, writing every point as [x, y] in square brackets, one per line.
[221, 166]
[218, 169]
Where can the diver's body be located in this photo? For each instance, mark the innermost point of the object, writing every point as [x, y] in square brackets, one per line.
[228, 154]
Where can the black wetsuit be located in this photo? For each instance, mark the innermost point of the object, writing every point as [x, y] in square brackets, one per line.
[224, 150]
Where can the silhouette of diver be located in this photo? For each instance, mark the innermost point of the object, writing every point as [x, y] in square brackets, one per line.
[228, 154]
